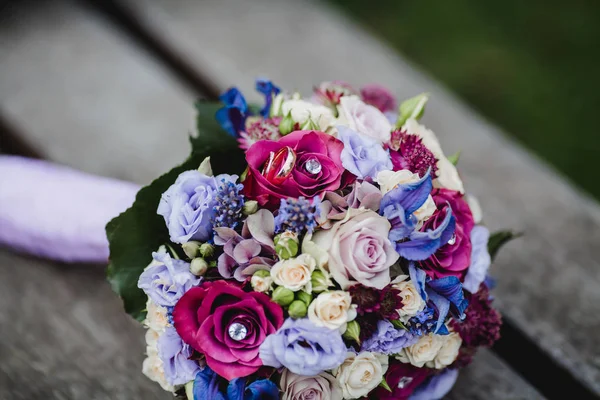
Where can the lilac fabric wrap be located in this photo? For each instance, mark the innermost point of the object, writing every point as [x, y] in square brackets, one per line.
[55, 212]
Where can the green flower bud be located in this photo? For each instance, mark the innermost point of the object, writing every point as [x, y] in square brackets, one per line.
[320, 282]
[283, 296]
[207, 250]
[286, 246]
[250, 207]
[412, 108]
[287, 124]
[309, 125]
[262, 273]
[297, 309]
[199, 266]
[191, 248]
[352, 332]
[304, 297]
[205, 167]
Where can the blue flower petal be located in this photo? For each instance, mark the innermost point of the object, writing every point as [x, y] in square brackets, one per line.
[261, 390]
[206, 386]
[418, 278]
[232, 117]
[423, 244]
[409, 196]
[236, 388]
[269, 90]
[442, 305]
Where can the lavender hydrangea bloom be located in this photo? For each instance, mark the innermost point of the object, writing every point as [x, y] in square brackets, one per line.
[388, 340]
[188, 206]
[303, 348]
[362, 155]
[165, 280]
[480, 259]
[175, 355]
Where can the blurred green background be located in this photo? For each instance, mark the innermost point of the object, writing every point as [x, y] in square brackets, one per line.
[531, 67]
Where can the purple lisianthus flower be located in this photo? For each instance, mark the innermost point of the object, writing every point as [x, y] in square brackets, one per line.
[175, 355]
[303, 348]
[165, 280]
[188, 205]
[388, 339]
[480, 259]
[363, 155]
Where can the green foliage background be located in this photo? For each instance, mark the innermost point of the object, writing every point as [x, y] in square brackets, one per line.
[532, 67]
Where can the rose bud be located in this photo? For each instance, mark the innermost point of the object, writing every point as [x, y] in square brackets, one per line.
[283, 296]
[304, 297]
[297, 309]
[191, 248]
[199, 266]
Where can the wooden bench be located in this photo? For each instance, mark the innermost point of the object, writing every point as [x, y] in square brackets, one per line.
[108, 87]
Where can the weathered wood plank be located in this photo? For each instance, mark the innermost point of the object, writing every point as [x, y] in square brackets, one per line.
[87, 97]
[548, 281]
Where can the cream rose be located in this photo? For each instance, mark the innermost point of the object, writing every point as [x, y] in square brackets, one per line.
[301, 387]
[388, 180]
[294, 274]
[303, 110]
[359, 374]
[448, 353]
[447, 174]
[422, 352]
[153, 368]
[359, 249]
[412, 302]
[332, 309]
[364, 118]
[261, 283]
[156, 318]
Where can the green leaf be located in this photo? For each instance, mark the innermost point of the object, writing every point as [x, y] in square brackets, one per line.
[454, 158]
[499, 239]
[139, 231]
[412, 108]
[398, 324]
[385, 385]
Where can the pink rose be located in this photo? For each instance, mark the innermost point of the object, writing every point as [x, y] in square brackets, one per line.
[227, 325]
[302, 387]
[379, 97]
[303, 163]
[359, 249]
[453, 258]
[364, 119]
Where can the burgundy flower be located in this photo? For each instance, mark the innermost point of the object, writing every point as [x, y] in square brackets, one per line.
[481, 326]
[453, 258]
[403, 379]
[379, 97]
[227, 325]
[408, 152]
[381, 303]
[303, 163]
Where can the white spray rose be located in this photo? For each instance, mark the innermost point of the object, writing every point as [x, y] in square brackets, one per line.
[303, 110]
[447, 174]
[261, 284]
[412, 302]
[364, 118]
[422, 352]
[448, 353]
[361, 373]
[388, 180]
[294, 274]
[152, 366]
[156, 318]
[332, 309]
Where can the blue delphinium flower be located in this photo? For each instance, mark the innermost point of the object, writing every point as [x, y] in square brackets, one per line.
[388, 339]
[175, 355]
[269, 90]
[166, 279]
[303, 347]
[229, 203]
[398, 206]
[362, 155]
[232, 116]
[207, 386]
[298, 215]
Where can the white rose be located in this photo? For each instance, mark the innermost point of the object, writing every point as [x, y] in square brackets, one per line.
[261, 283]
[364, 118]
[448, 353]
[388, 180]
[359, 374]
[332, 309]
[447, 174]
[151, 337]
[422, 352]
[412, 302]
[156, 318]
[153, 368]
[303, 110]
[475, 209]
[294, 274]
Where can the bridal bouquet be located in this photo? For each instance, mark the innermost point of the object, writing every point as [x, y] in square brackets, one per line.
[319, 248]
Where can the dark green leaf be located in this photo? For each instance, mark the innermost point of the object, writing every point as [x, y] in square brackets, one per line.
[385, 385]
[399, 324]
[499, 239]
[139, 231]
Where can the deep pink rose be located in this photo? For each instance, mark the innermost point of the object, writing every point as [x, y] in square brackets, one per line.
[303, 163]
[379, 97]
[203, 318]
[453, 258]
[403, 379]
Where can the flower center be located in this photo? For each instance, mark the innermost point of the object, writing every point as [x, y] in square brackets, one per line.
[237, 331]
[404, 381]
[313, 166]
